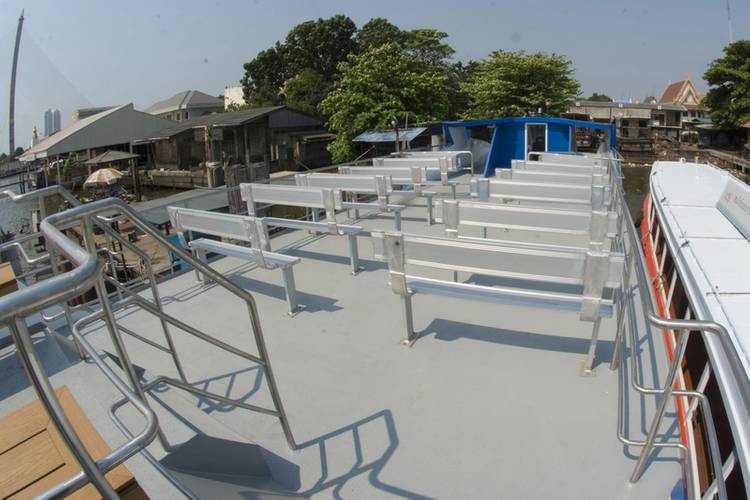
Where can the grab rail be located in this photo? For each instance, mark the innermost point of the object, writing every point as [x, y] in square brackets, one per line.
[635, 258]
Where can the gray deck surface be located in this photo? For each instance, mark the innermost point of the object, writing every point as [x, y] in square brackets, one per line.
[489, 402]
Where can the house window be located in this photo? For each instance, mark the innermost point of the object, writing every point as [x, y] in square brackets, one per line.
[186, 115]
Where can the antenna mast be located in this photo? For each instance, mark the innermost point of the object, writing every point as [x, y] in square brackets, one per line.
[11, 108]
[729, 20]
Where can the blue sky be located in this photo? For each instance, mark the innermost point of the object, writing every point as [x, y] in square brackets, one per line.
[91, 53]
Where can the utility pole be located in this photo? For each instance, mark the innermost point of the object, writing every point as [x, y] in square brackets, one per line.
[11, 108]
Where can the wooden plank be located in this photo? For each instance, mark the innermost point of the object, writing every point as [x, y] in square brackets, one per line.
[39, 457]
[7, 279]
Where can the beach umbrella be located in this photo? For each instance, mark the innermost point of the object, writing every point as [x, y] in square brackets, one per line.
[103, 177]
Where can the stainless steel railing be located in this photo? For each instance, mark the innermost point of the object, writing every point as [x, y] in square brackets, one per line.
[87, 271]
[635, 259]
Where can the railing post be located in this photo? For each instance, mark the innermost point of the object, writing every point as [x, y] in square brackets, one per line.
[111, 322]
[622, 305]
[665, 398]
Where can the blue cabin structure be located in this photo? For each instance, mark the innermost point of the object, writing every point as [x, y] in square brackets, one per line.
[515, 138]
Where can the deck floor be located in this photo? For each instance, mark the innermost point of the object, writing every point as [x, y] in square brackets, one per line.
[488, 403]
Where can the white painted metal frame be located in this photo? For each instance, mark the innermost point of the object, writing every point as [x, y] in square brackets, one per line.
[569, 196]
[595, 271]
[562, 228]
[236, 227]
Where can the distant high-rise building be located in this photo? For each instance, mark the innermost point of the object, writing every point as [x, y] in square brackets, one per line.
[51, 121]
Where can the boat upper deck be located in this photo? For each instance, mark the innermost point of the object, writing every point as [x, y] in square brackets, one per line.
[489, 401]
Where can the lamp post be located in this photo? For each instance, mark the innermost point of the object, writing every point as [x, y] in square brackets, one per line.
[394, 124]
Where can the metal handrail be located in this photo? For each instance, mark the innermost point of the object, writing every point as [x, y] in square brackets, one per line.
[87, 272]
[648, 301]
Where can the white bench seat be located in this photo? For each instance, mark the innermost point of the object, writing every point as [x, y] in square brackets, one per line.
[528, 276]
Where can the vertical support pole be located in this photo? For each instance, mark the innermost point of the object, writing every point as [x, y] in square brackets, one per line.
[290, 290]
[408, 321]
[355, 199]
[397, 219]
[622, 305]
[589, 362]
[430, 217]
[665, 399]
[354, 253]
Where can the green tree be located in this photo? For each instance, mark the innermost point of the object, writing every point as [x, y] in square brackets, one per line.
[649, 99]
[728, 97]
[376, 85]
[379, 31]
[428, 46]
[264, 77]
[306, 90]
[321, 45]
[517, 83]
[599, 97]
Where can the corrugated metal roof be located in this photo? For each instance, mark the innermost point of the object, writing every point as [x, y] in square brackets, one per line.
[408, 134]
[118, 125]
[232, 119]
[110, 156]
[185, 100]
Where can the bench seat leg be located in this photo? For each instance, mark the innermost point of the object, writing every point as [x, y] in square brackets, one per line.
[429, 211]
[354, 254]
[397, 220]
[408, 321]
[589, 361]
[290, 290]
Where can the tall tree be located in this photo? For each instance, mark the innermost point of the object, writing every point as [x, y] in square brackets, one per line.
[517, 83]
[264, 77]
[320, 45]
[427, 45]
[305, 90]
[599, 97]
[728, 98]
[379, 31]
[376, 85]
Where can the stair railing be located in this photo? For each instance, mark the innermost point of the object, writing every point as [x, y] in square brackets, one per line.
[88, 271]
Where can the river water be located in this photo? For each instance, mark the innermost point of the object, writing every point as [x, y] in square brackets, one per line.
[14, 217]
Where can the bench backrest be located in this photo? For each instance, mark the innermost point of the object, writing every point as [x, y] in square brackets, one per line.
[458, 158]
[573, 159]
[569, 228]
[379, 185]
[230, 226]
[442, 164]
[594, 270]
[593, 197]
[295, 196]
[555, 177]
[569, 168]
[397, 175]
